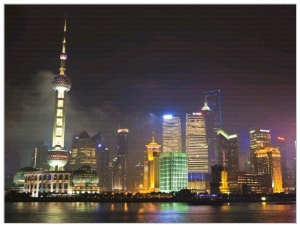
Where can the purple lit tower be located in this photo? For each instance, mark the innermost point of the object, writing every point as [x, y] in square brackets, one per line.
[57, 157]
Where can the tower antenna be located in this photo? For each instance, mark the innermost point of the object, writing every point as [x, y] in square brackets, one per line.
[63, 55]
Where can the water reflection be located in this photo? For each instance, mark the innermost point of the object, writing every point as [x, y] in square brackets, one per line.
[92, 212]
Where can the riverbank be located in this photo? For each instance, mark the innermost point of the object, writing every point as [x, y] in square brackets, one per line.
[191, 199]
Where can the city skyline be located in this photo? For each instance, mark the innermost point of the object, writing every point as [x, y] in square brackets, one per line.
[129, 72]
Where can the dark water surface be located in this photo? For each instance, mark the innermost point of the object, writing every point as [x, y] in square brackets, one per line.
[91, 212]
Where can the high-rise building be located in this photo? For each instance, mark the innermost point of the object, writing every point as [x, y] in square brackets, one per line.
[120, 164]
[39, 156]
[259, 139]
[58, 155]
[171, 134]
[196, 144]
[197, 151]
[103, 169]
[280, 144]
[151, 167]
[138, 177]
[173, 172]
[267, 163]
[213, 119]
[83, 152]
[228, 153]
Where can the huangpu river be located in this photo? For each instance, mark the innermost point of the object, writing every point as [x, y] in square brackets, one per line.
[171, 212]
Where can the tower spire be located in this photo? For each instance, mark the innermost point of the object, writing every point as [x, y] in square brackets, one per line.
[57, 157]
[63, 55]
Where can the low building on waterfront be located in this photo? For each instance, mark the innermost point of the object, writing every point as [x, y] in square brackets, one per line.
[39, 182]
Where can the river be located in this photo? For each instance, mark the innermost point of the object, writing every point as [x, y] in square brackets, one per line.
[171, 212]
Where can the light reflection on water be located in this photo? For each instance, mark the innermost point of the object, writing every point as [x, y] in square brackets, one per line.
[92, 212]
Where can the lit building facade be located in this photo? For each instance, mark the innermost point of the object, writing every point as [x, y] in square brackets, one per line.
[58, 157]
[251, 183]
[171, 134]
[84, 180]
[259, 139]
[228, 152]
[120, 164]
[197, 151]
[196, 144]
[267, 163]
[212, 112]
[173, 171]
[280, 144]
[151, 167]
[219, 184]
[39, 182]
[83, 152]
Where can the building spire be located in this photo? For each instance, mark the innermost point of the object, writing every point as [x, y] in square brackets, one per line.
[153, 136]
[64, 40]
[63, 55]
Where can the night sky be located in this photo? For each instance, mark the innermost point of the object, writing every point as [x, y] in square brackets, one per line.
[131, 64]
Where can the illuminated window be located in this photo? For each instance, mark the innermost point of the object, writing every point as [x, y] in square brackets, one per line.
[58, 131]
[60, 103]
[58, 140]
[59, 112]
[61, 94]
[59, 122]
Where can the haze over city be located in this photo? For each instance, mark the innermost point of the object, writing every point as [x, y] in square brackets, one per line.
[131, 64]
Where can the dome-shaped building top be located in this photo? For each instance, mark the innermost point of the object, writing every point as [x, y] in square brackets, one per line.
[19, 177]
[85, 176]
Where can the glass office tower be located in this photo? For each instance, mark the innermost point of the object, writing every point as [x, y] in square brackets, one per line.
[173, 171]
[171, 134]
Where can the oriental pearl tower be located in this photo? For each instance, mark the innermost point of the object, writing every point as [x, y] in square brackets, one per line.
[58, 157]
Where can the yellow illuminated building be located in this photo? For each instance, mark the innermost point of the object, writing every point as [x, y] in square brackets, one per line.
[151, 167]
[268, 163]
[224, 188]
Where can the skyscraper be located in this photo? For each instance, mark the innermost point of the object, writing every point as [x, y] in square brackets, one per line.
[120, 166]
[102, 167]
[279, 143]
[39, 156]
[267, 163]
[58, 156]
[259, 139]
[171, 134]
[83, 152]
[228, 154]
[138, 177]
[197, 151]
[173, 173]
[213, 119]
[151, 167]
[196, 143]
